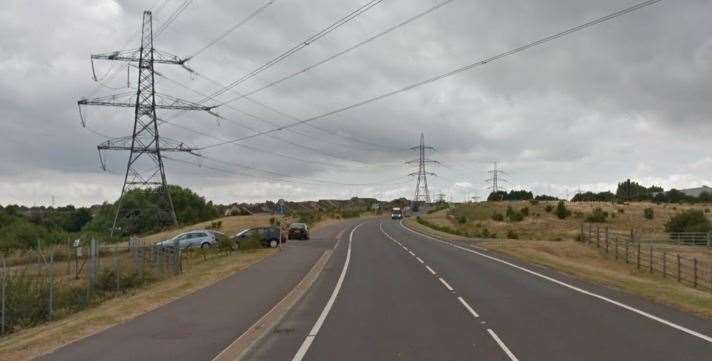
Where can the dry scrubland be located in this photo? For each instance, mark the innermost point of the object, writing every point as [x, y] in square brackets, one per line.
[546, 240]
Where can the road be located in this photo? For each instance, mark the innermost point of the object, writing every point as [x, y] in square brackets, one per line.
[389, 293]
[392, 294]
[202, 324]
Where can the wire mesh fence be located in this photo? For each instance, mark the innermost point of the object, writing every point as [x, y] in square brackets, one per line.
[627, 247]
[46, 283]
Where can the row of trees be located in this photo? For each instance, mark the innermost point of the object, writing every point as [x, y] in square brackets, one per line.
[22, 227]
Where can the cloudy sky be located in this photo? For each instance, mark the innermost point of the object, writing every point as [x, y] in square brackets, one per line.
[630, 98]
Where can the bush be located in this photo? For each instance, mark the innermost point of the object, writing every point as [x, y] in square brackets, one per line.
[461, 219]
[561, 210]
[621, 210]
[524, 211]
[549, 208]
[597, 216]
[691, 220]
[534, 202]
[648, 213]
[512, 235]
[498, 217]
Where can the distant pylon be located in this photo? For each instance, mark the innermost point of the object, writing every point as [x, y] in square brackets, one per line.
[145, 165]
[495, 179]
[422, 193]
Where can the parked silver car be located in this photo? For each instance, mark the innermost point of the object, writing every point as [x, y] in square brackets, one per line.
[193, 239]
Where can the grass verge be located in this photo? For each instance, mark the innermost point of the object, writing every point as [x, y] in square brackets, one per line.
[30, 343]
[588, 264]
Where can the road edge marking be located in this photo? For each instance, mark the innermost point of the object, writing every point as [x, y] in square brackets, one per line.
[304, 348]
[575, 288]
[244, 343]
[502, 345]
[447, 285]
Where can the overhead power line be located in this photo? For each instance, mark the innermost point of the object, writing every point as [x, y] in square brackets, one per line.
[470, 66]
[176, 13]
[350, 16]
[232, 28]
[340, 53]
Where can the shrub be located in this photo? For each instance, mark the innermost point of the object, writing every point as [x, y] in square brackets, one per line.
[597, 216]
[707, 210]
[548, 208]
[648, 213]
[524, 211]
[691, 220]
[512, 235]
[498, 217]
[461, 219]
[534, 202]
[561, 210]
[621, 210]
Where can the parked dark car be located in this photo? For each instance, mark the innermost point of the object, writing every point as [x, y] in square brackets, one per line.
[268, 236]
[298, 231]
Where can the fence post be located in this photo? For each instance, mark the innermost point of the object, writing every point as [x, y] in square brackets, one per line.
[627, 246]
[598, 237]
[664, 264]
[694, 268]
[709, 240]
[615, 244]
[2, 296]
[590, 234]
[116, 268]
[606, 240]
[582, 236]
[638, 257]
[51, 284]
[679, 275]
[650, 260]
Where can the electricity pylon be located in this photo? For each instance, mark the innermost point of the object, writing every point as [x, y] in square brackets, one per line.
[145, 165]
[422, 193]
[496, 179]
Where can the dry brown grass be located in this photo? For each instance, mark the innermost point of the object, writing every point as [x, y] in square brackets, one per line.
[30, 343]
[543, 225]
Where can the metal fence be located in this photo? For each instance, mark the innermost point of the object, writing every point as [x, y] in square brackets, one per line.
[679, 238]
[626, 247]
[46, 283]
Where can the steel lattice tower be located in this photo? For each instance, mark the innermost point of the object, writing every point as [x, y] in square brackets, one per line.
[422, 193]
[145, 165]
[496, 179]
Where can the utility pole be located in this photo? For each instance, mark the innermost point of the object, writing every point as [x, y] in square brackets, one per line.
[145, 168]
[495, 179]
[422, 193]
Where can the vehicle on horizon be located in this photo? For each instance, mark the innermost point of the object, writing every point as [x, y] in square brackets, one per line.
[298, 231]
[396, 213]
[268, 236]
[193, 239]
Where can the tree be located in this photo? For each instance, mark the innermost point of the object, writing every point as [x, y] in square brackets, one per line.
[691, 220]
[561, 210]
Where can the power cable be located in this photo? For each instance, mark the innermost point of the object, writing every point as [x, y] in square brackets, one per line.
[231, 29]
[452, 72]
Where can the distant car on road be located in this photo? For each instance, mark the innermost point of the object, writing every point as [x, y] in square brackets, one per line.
[268, 236]
[298, 231]
[396, 213]
[193, 239]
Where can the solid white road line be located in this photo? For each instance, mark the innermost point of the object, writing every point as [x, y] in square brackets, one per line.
[577, 289]
[445, 284]
[502, 345]
[430, 269]
[320, 321]
[419, 259]
[411, 253]
[467, 306]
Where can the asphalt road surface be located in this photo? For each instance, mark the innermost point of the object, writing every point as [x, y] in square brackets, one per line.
[391, 294]
[388, 293]
[202, 324]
